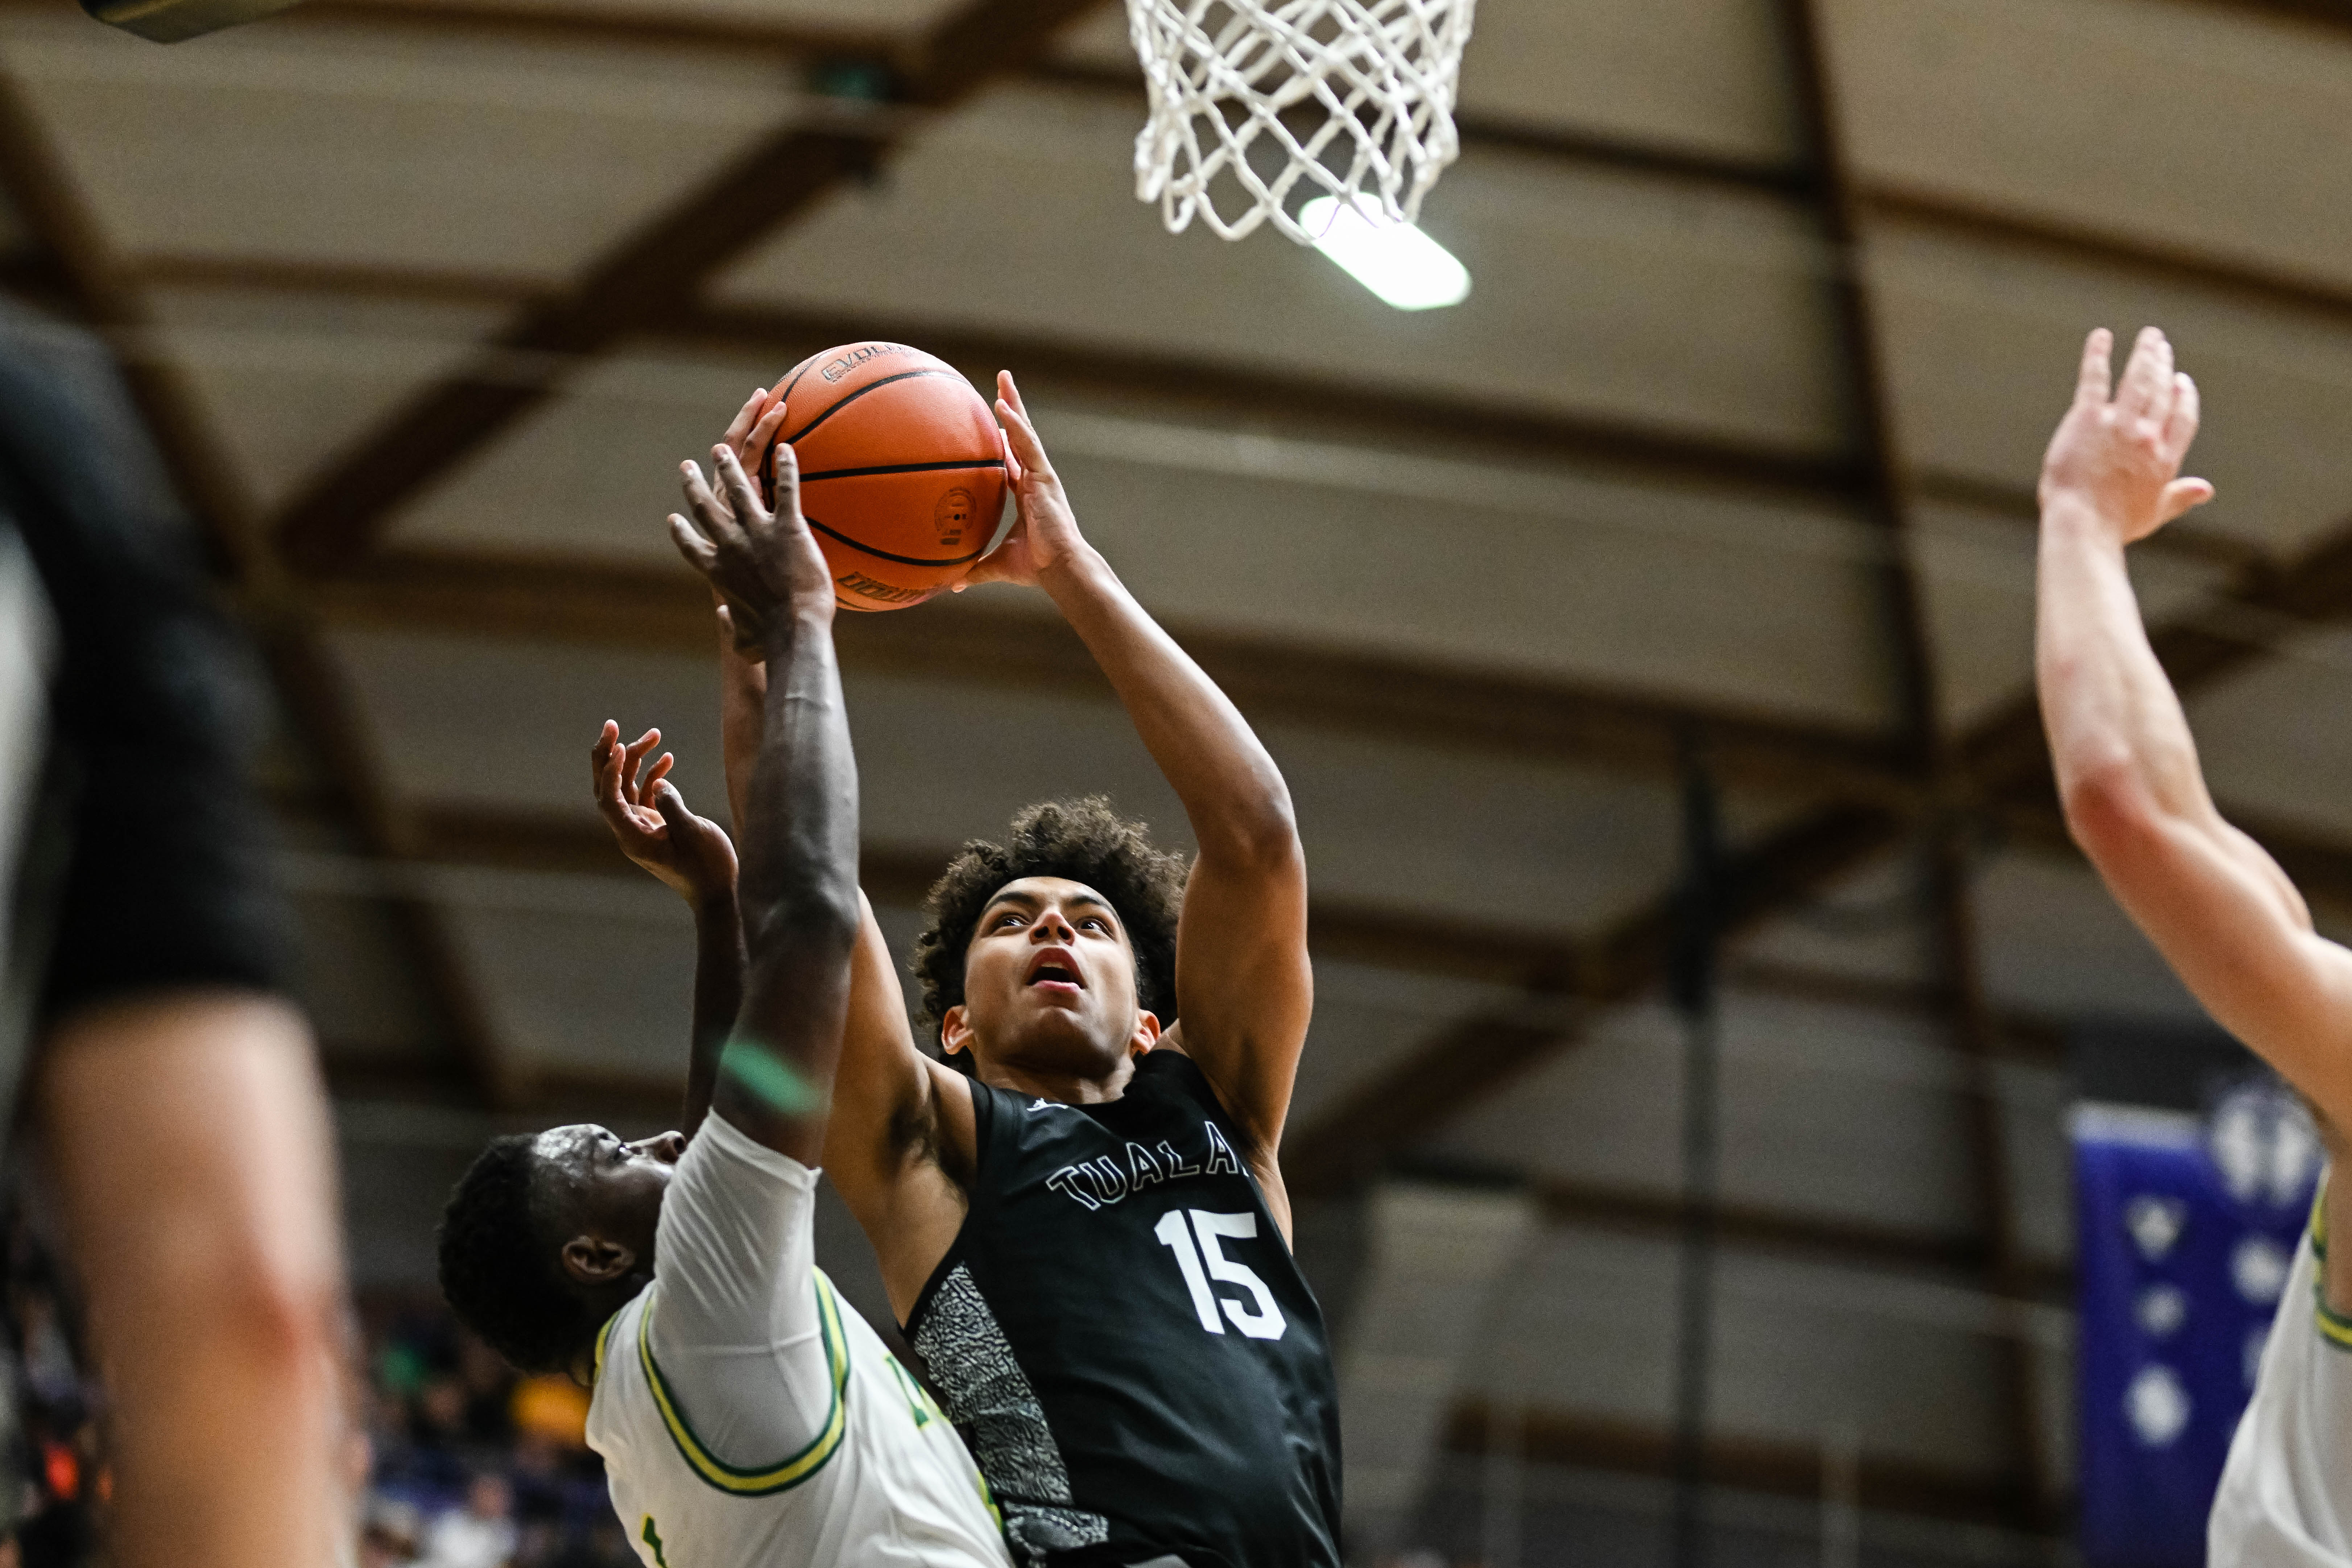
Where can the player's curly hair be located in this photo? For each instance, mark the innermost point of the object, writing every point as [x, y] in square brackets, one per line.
[497, 1268]
[1085, 841]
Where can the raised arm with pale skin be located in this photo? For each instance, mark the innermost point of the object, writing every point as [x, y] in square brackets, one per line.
[1243, 987]
[798, 892]
[2219, 908]
[690, 856]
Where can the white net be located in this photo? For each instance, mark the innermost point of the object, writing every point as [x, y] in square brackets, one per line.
[1251, 97]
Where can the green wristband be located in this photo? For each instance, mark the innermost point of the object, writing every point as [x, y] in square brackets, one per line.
[780, 1086]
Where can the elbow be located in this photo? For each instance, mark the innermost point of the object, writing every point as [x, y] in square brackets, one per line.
[267, 1313]
[292, 1323]
[1258, 833]
[2110, 812]
[821, 920]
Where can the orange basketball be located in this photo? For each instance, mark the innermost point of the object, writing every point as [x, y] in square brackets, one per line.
[902, 469]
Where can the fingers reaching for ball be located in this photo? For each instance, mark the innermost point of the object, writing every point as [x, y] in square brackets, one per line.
[760, 452]
[765, 565]
[738, 429]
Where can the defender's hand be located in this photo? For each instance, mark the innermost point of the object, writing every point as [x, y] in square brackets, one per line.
[748, 437]
[2119, 456]
[765, 564]
[690, 855]
[1045, 534]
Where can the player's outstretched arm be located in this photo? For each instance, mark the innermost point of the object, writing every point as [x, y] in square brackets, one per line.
[2219, 910]
[901, 1123]
[798, 891]
[1243, 988]
[692, 857]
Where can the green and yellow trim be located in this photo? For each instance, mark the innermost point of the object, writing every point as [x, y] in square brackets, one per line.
[603, 1335]
[2336, 1330]
[2334, 1327]
[789, 1473]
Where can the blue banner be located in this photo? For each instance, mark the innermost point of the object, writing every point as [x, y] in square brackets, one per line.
[2187, 1227]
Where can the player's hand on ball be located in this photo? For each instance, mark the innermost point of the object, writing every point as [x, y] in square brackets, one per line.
[2119, 456]
[765, 564]
[749, 434]
[689, 854]
[1045, 532]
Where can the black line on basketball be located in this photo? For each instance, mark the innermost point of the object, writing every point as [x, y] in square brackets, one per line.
[905, 469]
[885, 555]
[798, 376]
[768, 458]
[850, 397]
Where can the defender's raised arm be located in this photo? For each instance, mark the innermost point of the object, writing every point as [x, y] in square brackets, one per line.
[798, 893]
[2214, 904]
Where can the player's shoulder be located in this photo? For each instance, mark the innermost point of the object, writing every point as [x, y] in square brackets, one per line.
[644, 1395]
[1168, 1072]
[614, 1383]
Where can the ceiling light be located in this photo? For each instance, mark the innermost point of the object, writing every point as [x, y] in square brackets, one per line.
[1395, 261]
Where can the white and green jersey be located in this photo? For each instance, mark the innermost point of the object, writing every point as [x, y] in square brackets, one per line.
[747, 1419]
[2285, 1497]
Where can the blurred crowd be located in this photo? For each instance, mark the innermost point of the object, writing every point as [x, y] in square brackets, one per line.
[471, 1465]
[60, 1468]
[464, 1464]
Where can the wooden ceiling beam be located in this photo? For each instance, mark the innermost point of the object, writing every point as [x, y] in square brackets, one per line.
[2325, 15]
[2069, 240]
[1299, 404]
[1409, 940]
[2005, 754]
[1303, 405]
[1471, 1059]
[1307, 405]
[334, 517]
[796, 39]
[1393, 695]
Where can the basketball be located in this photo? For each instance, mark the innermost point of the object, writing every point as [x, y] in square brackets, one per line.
[902, 469]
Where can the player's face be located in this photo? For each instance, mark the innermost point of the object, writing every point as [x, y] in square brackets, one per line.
[609, 1189]
[1049, 979]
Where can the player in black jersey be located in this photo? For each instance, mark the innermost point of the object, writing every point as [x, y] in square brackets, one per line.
[1087, 1234]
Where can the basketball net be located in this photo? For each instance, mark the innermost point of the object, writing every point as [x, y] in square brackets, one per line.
[1355, 97]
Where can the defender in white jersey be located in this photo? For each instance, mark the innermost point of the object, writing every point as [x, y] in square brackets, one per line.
[2283, 1499]
[2217, 906]
[746, 1417]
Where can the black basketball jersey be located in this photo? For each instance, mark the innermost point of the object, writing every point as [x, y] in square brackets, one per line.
[1121, 1335]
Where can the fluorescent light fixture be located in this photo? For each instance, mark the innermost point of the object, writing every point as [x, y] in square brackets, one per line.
[1395, 261]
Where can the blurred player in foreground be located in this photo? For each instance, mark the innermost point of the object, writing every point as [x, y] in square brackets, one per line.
[1086, 1231]
[186, 1122]
[2214, 904]
[745, 1418]
[173, 1082]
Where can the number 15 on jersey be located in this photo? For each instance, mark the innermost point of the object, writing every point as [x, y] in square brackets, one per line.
[1207, 1261]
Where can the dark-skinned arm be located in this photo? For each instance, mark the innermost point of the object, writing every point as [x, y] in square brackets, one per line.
[1243, 987]
[798, 891]
[690, 856]
[899, 1139]
[720, 962]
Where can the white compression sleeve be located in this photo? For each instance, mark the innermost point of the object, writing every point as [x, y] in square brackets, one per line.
[735, 1328]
